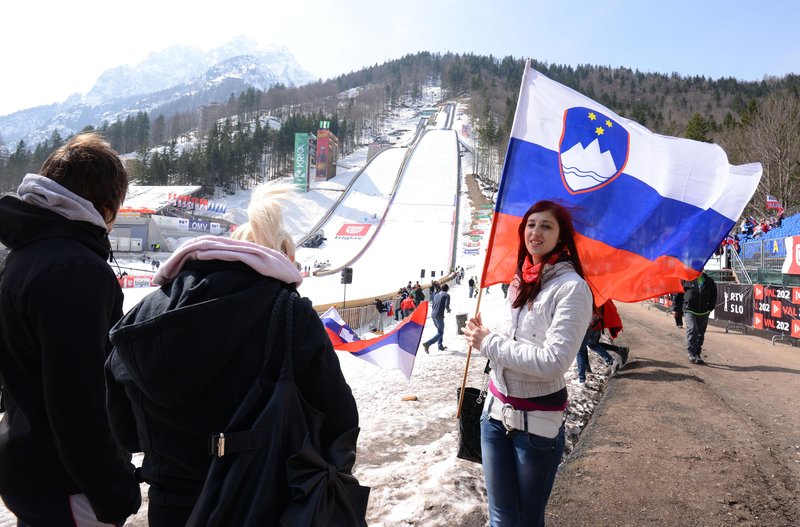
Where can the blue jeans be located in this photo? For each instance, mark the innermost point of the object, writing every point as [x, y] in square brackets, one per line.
[519, 469]
[695, 332]
[439, 337]
[590, 341]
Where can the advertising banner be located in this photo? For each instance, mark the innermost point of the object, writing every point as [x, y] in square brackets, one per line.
[734, 303]
[777, 309]
[200, 225]
[301, 161]
[791, 265]
[135, 281]
[353, 230]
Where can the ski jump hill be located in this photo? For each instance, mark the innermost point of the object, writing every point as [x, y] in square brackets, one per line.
[396, 222]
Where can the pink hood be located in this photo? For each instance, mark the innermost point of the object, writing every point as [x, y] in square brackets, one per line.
[265, 261]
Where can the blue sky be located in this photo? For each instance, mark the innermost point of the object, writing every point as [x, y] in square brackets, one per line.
[53, 49]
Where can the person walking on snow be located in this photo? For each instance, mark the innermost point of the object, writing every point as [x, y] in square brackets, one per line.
[441, 303]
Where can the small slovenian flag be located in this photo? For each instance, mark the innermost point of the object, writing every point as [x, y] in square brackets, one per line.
[338, 330]
[396, 349]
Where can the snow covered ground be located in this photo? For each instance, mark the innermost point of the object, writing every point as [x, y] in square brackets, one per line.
[406, 450]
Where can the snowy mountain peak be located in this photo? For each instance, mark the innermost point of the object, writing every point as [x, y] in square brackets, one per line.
[174, 79]
[181, 64]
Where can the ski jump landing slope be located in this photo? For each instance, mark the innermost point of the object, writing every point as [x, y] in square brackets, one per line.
[364, 204]
[415, 233]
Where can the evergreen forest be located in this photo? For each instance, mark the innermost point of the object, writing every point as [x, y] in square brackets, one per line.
[232, 145]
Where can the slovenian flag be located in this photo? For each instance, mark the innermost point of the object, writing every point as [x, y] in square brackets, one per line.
[394, 350]
[338, 330]
[649, 209]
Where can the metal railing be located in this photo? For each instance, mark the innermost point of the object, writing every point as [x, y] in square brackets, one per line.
[361, 319]
[766, 254]
[739, 268]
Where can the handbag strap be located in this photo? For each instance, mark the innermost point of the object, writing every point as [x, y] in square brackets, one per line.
[227, 443]
[485, 379]
[287, 370]
[282, 307]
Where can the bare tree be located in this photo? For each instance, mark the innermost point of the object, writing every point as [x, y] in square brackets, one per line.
[771, 136]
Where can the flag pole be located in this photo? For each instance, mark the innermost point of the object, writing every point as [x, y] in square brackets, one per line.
[469, 354]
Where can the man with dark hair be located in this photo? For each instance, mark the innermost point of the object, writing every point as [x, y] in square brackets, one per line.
[59, 463]
[441, 302]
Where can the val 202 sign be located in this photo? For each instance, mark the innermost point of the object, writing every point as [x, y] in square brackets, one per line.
[777, 309]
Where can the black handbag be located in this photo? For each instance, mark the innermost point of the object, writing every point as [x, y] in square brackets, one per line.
[268, 468]
[469, 420]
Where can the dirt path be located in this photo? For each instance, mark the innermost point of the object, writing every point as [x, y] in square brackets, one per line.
[678, 444]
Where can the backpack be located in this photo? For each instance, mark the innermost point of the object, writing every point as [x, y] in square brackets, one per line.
[268, 467]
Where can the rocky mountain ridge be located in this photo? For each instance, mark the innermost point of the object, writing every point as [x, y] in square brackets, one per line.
[175, 79]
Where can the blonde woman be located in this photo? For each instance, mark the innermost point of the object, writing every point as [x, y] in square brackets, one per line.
[185, 357]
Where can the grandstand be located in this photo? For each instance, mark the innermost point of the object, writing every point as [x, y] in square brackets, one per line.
[163, 216]
[761, 259]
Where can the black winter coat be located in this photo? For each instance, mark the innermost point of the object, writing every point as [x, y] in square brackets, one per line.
[697, 299]
[58, 299]
[186, 356]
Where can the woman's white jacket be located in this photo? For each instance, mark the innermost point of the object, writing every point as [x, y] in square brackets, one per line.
[537, 343]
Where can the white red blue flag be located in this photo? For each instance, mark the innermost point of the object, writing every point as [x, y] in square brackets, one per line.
[773, 203]
[396, 349]
[649, 209]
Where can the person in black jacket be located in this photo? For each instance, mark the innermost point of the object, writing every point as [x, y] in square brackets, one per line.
[699, 300]
[59, 463]
[186, 356]
[677, 308]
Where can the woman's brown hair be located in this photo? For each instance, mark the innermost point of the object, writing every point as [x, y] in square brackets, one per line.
[527, 292]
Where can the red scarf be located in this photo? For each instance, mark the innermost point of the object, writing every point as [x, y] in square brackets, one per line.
[530, 272]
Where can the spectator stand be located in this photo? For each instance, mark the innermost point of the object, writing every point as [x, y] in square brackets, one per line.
[762, 257]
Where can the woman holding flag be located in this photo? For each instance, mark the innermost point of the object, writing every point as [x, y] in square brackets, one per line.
[522, 427]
